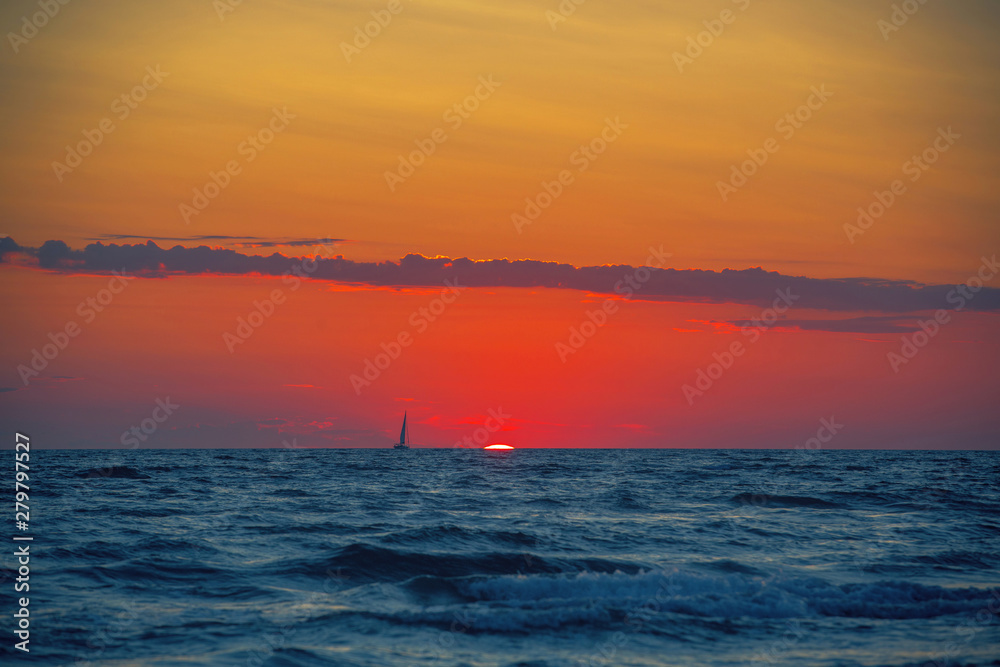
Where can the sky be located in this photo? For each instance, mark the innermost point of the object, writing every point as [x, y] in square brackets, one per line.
[671, 224]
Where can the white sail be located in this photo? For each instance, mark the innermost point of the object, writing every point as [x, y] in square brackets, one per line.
[404, 436]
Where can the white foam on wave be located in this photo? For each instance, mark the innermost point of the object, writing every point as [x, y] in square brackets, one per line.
[521, 601]
[684, 592]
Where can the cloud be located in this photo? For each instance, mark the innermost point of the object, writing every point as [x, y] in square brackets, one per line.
[889, 324]
[7, 245]
[747, 286]
[236, 241]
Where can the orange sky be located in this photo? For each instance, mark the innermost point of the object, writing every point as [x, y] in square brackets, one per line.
[555, 90]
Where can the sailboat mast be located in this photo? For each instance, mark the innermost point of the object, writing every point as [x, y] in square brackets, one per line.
[402, 433]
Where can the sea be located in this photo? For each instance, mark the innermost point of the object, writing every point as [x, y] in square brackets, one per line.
[528, 558]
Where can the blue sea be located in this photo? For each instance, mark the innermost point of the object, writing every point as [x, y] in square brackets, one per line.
[539, 558]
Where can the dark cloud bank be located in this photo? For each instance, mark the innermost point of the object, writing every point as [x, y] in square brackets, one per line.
[747, 286]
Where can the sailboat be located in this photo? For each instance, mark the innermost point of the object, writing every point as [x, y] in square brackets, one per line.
[404, 436]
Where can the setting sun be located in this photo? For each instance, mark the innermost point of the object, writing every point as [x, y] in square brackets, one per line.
[500, 447]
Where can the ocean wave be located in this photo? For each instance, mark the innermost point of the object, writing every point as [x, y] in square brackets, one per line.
[729, 566]
[113, 472]
[368, 563]
[730, 596]
[769, 500]
[623, 499]
[959, 560]
[151, 513]
[451, 534]
[153, 571]
[290, 493]
[545, 501]
[362, 562]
